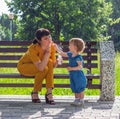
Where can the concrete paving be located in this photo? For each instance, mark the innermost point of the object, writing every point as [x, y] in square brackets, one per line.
[21, 107]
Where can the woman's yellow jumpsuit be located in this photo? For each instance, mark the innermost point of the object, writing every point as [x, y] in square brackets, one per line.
[27, 68]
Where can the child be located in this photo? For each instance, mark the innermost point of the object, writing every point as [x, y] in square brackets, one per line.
[77, 77]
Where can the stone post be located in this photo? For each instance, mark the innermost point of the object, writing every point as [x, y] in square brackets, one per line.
[107, 70]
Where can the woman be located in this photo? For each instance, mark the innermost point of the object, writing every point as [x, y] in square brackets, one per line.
[39, 61]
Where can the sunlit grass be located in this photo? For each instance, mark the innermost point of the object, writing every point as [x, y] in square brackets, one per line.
[117, 73]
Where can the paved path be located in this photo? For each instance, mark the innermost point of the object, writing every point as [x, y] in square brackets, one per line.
[20, 107]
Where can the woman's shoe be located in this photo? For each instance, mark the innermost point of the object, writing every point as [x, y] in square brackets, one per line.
[35, 100]
[49, 101]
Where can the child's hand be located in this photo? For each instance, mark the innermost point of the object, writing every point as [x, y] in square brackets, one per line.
[69, 68]
[55, 46]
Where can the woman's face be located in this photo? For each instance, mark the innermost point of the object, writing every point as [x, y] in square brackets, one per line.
[46, 40]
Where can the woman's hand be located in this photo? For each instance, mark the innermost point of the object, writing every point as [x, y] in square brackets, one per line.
[48, 50]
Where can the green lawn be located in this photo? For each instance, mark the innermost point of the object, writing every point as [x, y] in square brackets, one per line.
[56, 91]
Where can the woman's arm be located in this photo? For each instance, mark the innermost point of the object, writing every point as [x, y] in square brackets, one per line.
[42, 64]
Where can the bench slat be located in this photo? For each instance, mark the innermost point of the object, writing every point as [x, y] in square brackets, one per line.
[91, 43]
[89, 50]
[64, 65]
[10, 57]
[22, 50]
[15, 43]
[13, 50]
[94, 86]
[30, 85]
[24, 43]
[17, 57]
[58, 76]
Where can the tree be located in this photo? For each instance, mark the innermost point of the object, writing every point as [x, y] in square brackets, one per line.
[4, 27]
[87, 19]
[114, 29]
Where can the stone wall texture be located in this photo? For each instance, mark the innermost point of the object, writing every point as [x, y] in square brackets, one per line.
[107, 68]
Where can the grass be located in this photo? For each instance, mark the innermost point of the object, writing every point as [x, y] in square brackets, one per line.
[56, 91]
[117, 73]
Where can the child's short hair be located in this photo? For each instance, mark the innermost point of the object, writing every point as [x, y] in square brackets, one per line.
[79, 43]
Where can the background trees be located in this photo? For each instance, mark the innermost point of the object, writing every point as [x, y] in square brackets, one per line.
[4, 27]
[88, 19]
[114, 29]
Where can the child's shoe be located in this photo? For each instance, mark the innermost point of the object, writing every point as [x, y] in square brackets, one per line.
[82, 102]
[78, 102]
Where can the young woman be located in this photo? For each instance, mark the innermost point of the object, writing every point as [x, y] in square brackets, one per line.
[39, 61]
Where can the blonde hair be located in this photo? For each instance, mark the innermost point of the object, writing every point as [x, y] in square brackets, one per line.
[79, 43]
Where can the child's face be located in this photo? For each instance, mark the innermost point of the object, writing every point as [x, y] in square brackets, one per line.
[72, 47]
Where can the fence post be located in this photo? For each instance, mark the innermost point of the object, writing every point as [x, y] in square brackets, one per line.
[107, 70]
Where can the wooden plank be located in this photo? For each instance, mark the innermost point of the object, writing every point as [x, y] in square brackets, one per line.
[10, 57]
[92, 50]
[19, 49]
[21, 42]
[94, 86]
[95, 57]
[17, 57]
[64, 65]
[88, 43]
[30, 85]
[87, 50]
[13, 50]
[57, 76]
[15, 43]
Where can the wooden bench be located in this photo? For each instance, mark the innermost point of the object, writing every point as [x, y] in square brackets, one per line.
[11, 51]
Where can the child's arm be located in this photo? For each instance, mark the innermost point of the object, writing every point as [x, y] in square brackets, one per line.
[75, 68]
[63, 54]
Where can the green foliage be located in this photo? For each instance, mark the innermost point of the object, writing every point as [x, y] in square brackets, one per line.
[114, 29]
[4, 27]
[88, 19]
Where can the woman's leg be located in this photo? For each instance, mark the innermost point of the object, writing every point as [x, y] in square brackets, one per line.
[49, 77]
[29, 69]
[49, 83]
[39, 77]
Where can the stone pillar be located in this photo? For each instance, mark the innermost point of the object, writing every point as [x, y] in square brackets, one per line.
[107, 70]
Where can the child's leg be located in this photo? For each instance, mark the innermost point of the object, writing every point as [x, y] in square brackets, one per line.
[81, 98]
[76, 95]
[76, 100]
[81, 95]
